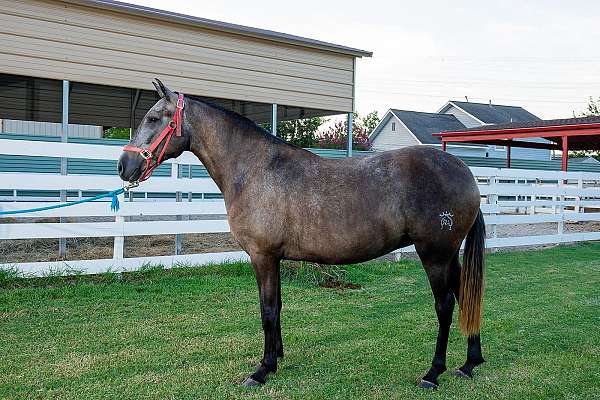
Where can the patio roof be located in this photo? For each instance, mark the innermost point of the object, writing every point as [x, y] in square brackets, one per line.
[562, 134]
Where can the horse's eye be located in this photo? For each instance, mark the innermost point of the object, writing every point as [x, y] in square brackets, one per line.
[152, 119]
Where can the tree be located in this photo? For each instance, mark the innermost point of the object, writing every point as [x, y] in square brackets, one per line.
[593, 109]
[116, 133]
[370, 122]
[336, 137]
[300, 132]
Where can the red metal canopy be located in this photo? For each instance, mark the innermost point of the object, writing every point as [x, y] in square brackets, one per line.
[561, 134]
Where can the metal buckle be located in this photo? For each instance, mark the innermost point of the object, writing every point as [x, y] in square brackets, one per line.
[146, 154]
[173, 124]
[180, 102]
[131, 185]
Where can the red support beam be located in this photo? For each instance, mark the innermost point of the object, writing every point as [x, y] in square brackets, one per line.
[565, 153]
[492, 136]
[542, 131]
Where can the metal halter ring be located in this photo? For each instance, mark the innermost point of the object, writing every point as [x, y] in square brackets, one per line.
[146, 155]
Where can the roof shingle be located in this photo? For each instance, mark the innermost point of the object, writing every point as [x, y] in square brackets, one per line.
[495, 113]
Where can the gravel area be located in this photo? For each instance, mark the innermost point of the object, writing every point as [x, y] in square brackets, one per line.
[15, 251]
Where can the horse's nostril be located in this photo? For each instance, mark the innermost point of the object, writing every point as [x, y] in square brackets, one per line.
[120, 167]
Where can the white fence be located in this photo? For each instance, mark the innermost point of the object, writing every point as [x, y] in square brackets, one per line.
[509, 197]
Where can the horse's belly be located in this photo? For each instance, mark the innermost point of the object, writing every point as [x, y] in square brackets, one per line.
[345, 247]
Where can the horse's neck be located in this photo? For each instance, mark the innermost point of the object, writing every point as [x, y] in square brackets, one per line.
[227, 149]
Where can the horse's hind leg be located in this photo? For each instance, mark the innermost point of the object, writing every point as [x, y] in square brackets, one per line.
[278, 339]
[474, 356]
[438, 272]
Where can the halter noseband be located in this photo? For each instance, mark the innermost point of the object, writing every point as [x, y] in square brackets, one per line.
[147, 154]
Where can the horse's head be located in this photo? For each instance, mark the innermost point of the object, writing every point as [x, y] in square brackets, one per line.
[161, 135]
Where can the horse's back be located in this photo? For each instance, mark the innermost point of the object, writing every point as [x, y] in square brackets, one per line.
[352, 209]
[369, 206]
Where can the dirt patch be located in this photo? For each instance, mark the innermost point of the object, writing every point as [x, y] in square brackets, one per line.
[340, 285]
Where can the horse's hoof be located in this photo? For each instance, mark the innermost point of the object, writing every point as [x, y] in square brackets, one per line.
[249, 382]
[427, 385]
[461, 374]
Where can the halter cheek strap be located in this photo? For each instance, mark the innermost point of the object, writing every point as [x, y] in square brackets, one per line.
[174, 126]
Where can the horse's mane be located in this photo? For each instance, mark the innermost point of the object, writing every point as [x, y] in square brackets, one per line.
[242, 122]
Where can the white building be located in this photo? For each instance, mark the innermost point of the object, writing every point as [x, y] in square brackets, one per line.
[400, 128]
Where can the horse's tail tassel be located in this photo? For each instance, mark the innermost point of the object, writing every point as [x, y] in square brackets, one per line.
[470, 297]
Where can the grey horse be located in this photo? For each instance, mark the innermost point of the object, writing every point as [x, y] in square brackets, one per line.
[284, 202]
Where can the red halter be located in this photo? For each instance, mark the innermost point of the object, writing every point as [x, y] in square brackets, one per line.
[147, 154]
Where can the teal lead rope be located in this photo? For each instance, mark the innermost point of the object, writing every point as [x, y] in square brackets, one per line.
[114, 204]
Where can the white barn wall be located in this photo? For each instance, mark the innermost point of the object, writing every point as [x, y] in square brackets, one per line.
[463, 117]
[87, 43]
[391, 140]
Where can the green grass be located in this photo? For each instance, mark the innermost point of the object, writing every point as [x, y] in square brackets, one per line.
[195, 333]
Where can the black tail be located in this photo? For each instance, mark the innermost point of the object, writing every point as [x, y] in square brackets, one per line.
[471, 279]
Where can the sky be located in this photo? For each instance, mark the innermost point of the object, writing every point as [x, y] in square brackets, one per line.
[541, 55]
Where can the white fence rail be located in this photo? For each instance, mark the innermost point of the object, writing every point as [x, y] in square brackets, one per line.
[509, 197]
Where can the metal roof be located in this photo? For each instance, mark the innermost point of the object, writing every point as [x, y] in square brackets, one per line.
[580, 133]
[594, 119]
[219, 25]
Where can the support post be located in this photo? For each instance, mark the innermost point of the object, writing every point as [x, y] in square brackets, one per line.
[443, 145]
[508, 155]
[134, 105]
[565, 153]
[349, 145]
[274, 120]
[62, 242]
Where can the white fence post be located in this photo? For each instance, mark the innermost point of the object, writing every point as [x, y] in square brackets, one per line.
[578, 198]
[119, 242]
[561, 207]
[176, 173]
[493, 201]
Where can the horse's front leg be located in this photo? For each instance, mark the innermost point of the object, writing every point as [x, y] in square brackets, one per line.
[266, 269]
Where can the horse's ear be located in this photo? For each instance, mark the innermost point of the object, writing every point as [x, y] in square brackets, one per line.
[158, 86]
[163, 91]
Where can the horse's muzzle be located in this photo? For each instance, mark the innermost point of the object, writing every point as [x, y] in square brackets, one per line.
[130, 166]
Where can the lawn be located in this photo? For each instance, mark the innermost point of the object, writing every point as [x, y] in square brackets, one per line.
[192, 333]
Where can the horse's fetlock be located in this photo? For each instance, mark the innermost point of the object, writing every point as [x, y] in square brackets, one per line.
[270, 366]
[439, 366]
